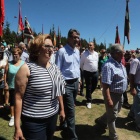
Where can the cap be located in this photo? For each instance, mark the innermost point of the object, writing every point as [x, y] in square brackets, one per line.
[132, 51]
[103, 50]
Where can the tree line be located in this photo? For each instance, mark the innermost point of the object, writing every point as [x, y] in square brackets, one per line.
[11, 38]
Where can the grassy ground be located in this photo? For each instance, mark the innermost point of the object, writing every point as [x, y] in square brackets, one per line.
[86, 128]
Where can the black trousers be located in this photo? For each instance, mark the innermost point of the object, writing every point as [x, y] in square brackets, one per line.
[91, 79]
[38, 129]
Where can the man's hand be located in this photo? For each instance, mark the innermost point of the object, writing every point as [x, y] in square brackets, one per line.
[110, 103]
[133, 92]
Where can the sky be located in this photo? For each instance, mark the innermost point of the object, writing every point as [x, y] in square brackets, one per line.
[92, 18]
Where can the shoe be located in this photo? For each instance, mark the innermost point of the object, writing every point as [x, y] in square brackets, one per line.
[138, 129]
[127, 105]
[101, 89]
[89, 105]
[130, 117]
[1, 106]
[114, 138]
[98, 121]
[11, 122]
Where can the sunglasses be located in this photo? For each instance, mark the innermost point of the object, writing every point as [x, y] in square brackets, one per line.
[48, 46]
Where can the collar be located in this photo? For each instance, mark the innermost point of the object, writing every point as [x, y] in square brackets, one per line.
[91, 52]
[70, 48]
[117, 63]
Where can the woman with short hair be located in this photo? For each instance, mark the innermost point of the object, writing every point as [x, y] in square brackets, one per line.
[11, 70]
[39, 86]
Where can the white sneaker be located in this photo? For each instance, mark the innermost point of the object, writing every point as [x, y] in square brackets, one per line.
[11, 122]
[89, 105]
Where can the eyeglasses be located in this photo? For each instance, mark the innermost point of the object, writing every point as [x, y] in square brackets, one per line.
[15, 54]
[75, 37]
[48, 46]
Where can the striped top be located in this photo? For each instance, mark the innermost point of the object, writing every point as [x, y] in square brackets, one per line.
[40, 98]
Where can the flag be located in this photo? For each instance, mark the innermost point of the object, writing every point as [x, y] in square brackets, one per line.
[117, 39]
[20, 24]
[105, 44]
[127, 23]
[28, 31]
[2, 16]
[59, 36]
[42, 30]
[54, 41]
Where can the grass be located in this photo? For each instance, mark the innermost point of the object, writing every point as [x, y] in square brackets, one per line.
[86, 128]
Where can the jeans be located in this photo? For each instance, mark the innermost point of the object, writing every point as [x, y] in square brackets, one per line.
[111, 113]
[38, 129]
[82, 79]
[68, 98]
[91, 79]
[135, 109]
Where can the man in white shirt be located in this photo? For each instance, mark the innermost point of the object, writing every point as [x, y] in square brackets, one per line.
[89, 64]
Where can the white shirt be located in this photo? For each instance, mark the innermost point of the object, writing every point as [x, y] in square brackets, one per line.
[89, 61]
[135, 70]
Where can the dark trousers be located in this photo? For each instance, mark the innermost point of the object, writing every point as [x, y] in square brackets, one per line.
[125, 97]
[125, 93]
[12, 97]
[91, 79]
[82, 79]
[38, 129]
[69, 97]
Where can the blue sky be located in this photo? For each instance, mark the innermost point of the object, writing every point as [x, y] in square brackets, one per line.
[90, 17]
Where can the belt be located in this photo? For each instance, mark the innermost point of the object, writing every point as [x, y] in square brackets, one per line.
[71, 80]
[90, 72]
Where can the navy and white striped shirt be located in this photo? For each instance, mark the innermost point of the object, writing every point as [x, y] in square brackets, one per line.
[114, 74]
[40, 98]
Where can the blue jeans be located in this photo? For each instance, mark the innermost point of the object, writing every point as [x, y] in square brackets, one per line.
[69, 97]
[91, 79]
[136, 105]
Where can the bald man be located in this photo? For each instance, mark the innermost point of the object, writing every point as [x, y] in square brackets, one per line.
[89, 64]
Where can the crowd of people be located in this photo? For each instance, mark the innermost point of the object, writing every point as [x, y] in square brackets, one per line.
[40, 83]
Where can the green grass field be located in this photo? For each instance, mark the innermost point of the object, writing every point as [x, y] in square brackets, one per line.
[86, 128]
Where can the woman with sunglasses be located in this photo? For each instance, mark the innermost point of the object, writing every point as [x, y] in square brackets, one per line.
[39, 86]
[103, 58]
[11, 70]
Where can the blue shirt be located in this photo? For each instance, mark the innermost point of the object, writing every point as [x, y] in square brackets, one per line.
[68, 61]
[114, 74]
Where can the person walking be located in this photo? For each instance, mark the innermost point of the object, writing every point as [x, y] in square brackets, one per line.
[11, 70]
[114, 80]
[68, 61]
[39, 86]
[89, 64]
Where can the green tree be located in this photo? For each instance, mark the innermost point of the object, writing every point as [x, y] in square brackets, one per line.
[34, 33]
[108, 49]
[7, 33]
